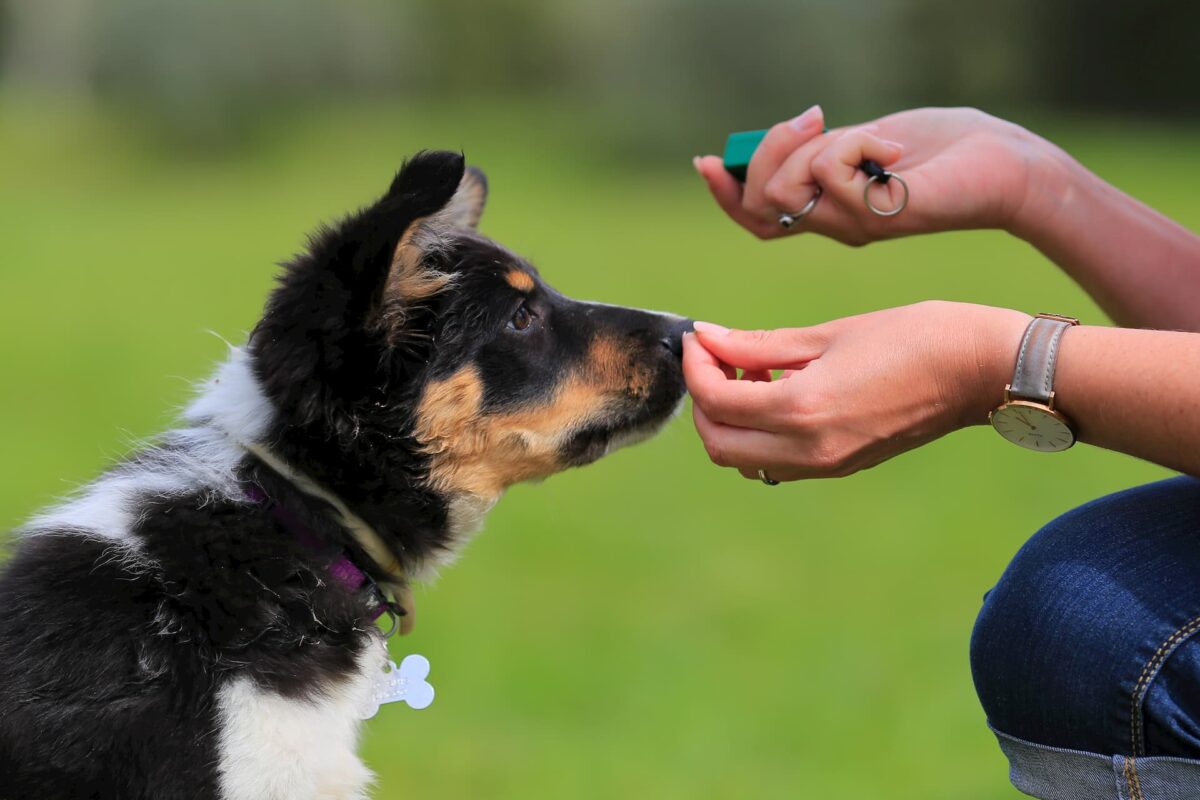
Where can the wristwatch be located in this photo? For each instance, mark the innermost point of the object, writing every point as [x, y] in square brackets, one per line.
[1027, 416]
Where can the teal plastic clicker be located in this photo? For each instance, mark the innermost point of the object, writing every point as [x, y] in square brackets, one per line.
[739, 149]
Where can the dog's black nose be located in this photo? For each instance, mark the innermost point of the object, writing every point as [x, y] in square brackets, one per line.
[673, 341]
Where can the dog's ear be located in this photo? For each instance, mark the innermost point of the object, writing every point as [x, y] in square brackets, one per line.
[427, 175]
[414, 276]
[364, 286]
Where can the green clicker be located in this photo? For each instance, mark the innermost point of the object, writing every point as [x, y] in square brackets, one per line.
[739, 149]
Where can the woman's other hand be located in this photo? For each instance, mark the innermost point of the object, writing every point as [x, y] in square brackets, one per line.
[964, 168]
[854, 392]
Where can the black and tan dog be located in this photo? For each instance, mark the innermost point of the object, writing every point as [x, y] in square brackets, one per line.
[189, 625]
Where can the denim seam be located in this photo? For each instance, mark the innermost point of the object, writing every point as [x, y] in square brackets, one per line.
[1132, 784]
[1140, 689]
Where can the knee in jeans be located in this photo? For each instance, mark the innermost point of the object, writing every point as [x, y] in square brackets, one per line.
[1035, 647]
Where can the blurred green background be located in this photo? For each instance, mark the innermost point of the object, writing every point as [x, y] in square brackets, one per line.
[651, 626]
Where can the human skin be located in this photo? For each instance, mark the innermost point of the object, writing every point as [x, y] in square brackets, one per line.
[860, 390]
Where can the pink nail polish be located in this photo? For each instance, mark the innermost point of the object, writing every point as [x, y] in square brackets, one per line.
[710, 328]
[809, 120]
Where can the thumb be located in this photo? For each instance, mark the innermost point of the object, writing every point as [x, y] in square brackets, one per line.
[782, 348]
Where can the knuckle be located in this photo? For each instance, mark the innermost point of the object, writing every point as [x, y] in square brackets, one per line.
[857, 138]
[798, 410]
[779, 194]
[777, 133]
[822, 167]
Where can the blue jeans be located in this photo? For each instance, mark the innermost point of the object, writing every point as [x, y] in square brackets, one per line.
[1085, 655]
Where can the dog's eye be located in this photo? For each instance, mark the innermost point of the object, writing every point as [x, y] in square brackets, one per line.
[521, 319]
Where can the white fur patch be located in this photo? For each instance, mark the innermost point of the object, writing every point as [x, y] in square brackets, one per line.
[231, 400]
[465, 515]
[201, 457]
[276, 748]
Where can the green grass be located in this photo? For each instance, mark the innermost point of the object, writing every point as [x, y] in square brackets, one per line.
[651, 626]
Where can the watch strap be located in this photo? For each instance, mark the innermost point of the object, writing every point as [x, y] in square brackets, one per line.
[1034, 377]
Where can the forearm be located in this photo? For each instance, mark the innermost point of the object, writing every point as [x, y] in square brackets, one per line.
[1134, 391]
[1140, 266]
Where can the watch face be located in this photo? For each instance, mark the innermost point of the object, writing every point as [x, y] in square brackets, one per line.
[1033, 426]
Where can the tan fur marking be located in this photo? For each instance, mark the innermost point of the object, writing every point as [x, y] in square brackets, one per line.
[409, 281]
[520, 280]
[485, 454]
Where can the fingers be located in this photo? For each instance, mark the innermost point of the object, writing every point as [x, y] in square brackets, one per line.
[836, 168]
[727, 191]
[742, 448]
[793, 184]
[782, 348]
[756, 404]
[779, 143]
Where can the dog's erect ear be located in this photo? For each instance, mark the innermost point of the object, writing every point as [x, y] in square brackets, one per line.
[364, 286]
[428, 173]
[466, 206]
[424, 186]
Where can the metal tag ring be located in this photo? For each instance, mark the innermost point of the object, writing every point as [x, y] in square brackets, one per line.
[867, 195]
[788, 219]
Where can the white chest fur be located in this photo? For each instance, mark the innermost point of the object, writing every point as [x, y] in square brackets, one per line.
[276, 748]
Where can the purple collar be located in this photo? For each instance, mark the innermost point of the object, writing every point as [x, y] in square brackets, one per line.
[343, 570]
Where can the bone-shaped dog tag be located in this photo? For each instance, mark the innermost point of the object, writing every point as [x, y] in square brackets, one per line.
[405, 682]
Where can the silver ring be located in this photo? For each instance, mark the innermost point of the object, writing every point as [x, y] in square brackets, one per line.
[768, 480]
[788, 219]
[867, 195]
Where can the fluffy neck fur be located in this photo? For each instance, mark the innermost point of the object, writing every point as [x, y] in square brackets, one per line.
[378, 474]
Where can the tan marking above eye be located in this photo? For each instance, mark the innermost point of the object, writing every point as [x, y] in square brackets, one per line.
[520, 280]
[483, 454]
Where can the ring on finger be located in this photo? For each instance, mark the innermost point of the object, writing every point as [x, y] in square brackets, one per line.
[790, 218]
[767, 479]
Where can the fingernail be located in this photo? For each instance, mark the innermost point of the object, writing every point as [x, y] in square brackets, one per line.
[710, 328]
[696, 164]
[807, 121]
[896, 145]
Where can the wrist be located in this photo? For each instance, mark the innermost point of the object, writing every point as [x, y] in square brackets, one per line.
[1053, 179]
[995, 335]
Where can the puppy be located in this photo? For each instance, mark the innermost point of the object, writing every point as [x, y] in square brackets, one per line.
[199, 621]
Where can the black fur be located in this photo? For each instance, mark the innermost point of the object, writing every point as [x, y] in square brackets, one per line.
[112, 654]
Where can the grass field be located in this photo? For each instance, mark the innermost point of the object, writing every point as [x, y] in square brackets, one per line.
[652, 626]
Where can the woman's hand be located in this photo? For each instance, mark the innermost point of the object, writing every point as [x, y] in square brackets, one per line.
[964, 168]
[854, 392]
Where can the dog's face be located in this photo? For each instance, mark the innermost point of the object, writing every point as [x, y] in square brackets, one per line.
[527, 382]
[405, 352]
